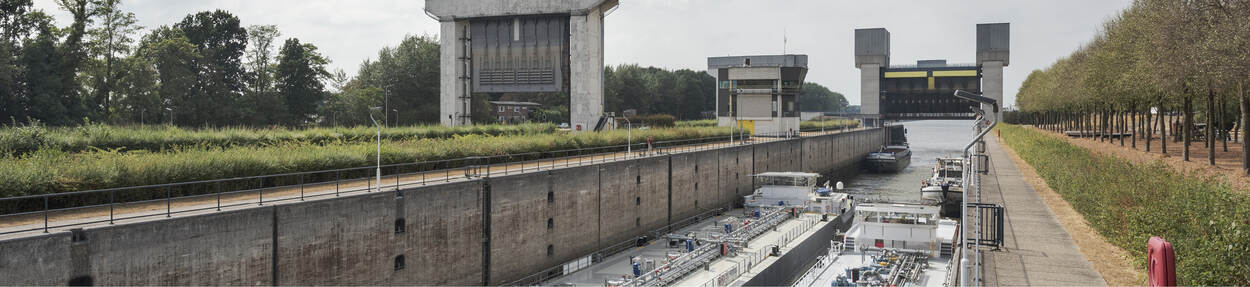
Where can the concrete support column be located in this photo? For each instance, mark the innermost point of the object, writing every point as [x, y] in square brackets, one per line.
[453, 95]
[992, 86]
[870, 92]
[586, 67]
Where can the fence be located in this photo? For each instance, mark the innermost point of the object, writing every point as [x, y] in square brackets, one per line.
[145, 201]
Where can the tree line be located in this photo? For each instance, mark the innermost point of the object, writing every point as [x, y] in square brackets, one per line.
[209, 70]
[206, 69]
[1156, 58]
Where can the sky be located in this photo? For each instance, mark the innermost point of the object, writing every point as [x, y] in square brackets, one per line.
[681, 34]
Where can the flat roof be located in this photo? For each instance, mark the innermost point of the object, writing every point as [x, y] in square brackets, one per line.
[511, 103]
[898, 208]
[787, 60]
[787, 173]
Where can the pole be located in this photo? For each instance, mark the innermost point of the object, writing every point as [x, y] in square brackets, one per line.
[379, 170]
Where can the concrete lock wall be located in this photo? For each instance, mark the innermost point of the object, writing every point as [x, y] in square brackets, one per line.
[487, 231]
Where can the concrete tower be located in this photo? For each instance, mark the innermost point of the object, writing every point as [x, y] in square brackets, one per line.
[521, 46]
[993, 53]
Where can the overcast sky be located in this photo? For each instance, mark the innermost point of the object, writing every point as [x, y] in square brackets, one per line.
[678, 34]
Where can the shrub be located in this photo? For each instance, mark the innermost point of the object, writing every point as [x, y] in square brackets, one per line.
[657, 120]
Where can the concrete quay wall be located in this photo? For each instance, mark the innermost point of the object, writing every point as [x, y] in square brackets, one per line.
[482, 232]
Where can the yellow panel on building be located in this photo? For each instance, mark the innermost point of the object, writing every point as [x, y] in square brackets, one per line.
[916, 74]
[747, 125]
[959, 73]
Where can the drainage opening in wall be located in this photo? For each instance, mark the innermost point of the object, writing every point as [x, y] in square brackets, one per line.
[637, 221]
[638, 200]
[638, 179]
[551, 223]
[84, 280]
[400, 226]
[399, 262]
[551, 250]
[551, 197]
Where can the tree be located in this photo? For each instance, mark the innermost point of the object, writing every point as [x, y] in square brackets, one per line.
[49, 80]
[814, 97]
[260, 104]
[299, 73]
[172, 56]
[109, 38]
[219, 40]
[408, 77]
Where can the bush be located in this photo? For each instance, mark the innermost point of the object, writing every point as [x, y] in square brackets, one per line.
[827, 124]
[52, 171]
[25, 140]
[1206, 221]
[697, 123]
[659, 120]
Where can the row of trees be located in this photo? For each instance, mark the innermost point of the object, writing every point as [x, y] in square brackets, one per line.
[1156, 58]
[190, 73]
[210, 70]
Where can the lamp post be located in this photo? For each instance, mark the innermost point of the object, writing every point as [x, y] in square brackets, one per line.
[963, 212]
[375, 123]
[629, 137]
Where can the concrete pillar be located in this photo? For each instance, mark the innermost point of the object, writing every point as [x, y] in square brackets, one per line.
[453, 95]
[870, 92]
[992, 86]
[586, 67]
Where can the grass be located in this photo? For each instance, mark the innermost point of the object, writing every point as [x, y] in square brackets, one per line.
[20, 141]
[52, 171]
[1206, 222]
[697, 123]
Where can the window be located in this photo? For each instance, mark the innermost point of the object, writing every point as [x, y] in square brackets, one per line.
[501, 109]
[746, 62]
[724, 84]
[516, 29]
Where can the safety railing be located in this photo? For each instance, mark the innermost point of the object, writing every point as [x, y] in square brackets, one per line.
[66, 209]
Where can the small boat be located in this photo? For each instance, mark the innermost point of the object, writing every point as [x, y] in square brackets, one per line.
[946, 185]
[892, 158]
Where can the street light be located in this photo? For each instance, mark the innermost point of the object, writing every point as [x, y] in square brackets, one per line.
[375, 123]
[963, 212]
[629, 137]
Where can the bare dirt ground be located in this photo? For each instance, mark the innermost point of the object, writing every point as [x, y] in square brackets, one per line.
[1112, 262]
[1227, 163]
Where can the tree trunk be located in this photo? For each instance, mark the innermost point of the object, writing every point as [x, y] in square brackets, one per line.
[1210, 140]
[1188, 125]
[1149, 127]
[1245, 123]
[1133, 118]
[1223, 121]
[1163, 130]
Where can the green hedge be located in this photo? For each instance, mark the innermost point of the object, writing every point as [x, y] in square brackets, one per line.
[19, 141]
[1208, 223]
[828, 124]
[52, 171]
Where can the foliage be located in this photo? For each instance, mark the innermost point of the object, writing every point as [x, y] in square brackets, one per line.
[403, 78]
[696, 123]
[818, 124]
[685, 94]
[30, 139]
[299, 74]
[1207, 223]
[816, 98]
[649, 120]
[51, 171]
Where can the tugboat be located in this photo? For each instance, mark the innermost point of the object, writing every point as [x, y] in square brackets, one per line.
[946, 185]
[891, 158]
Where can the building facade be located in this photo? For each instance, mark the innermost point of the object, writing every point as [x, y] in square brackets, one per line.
[759, 94]
[513, 112]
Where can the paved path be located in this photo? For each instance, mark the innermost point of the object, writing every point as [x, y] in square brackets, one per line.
[1037, 250]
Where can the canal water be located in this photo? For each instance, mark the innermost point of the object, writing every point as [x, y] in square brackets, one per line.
[929, 140]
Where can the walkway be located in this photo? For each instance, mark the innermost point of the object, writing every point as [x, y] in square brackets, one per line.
[1037, 250]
